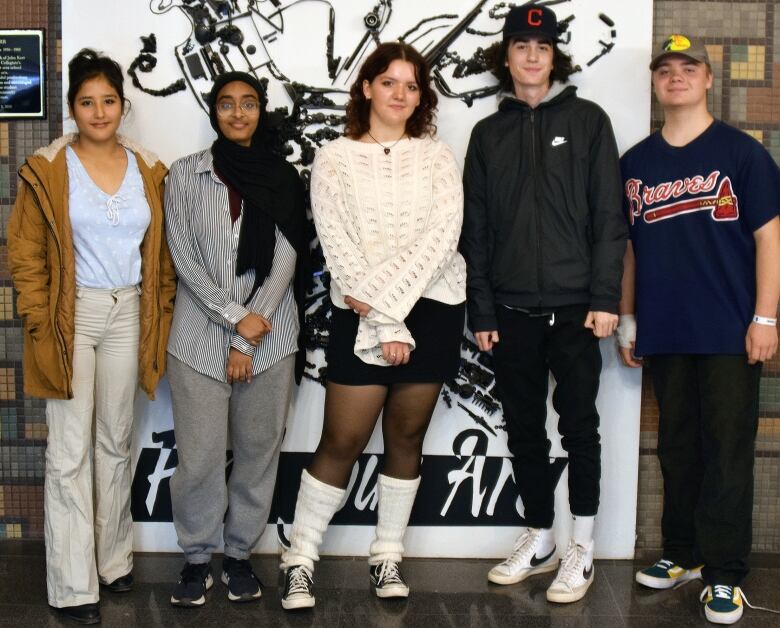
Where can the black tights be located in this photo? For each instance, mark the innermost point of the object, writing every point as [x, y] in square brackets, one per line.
[351, 412]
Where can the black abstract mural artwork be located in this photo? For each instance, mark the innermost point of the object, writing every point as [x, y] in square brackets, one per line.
[466, 486]
[243, 35]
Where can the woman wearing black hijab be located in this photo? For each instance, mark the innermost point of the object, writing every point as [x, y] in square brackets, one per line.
[236, 229]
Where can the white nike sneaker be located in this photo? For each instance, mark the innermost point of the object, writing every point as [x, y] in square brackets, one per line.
[524, 561]
[574, 576]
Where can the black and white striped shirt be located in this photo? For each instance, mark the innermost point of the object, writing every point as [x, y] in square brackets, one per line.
[203, 244]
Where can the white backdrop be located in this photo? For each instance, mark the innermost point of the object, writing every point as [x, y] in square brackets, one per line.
[477, 489]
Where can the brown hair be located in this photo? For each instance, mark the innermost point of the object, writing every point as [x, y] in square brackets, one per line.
[359, 107]
[496, 55]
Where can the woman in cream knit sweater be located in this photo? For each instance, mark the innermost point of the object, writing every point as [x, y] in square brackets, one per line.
[388, 205]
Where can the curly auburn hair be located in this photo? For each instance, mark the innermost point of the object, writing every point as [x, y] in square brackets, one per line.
[359, 107]
[496, 55]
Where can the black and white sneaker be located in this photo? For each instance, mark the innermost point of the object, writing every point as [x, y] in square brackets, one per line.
[242, 583]
[193, 583]
[387, 581]
[524, 560]
[298, 585]
[574, 576]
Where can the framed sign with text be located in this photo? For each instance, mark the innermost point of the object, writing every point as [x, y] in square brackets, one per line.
[22, 74]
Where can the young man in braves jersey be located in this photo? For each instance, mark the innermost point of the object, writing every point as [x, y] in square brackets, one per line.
[543, 238]
[700, 296]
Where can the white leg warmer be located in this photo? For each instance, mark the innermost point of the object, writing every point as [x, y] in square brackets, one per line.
[316, 505]
[396, 498]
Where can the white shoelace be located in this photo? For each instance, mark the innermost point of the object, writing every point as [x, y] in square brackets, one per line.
[112, 209]
[665, 564]
[725, 592]
[389, 574]
[299, 581]
[523, 548]
[572, 566]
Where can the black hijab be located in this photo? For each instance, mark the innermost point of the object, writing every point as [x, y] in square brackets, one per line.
[269, 186]
[273, 196]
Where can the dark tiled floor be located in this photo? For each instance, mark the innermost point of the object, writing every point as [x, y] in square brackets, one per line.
[445, 593]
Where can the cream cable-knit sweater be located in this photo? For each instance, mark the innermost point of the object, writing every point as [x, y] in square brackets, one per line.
[389, 227]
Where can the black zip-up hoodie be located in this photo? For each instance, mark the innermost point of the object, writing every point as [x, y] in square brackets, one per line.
[543, 221]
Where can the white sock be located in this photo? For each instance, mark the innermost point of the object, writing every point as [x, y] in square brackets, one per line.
[582, 530]
[546, 542]
[396, 498]
[316, 505]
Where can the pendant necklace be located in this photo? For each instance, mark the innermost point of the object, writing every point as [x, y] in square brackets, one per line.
[386, 148]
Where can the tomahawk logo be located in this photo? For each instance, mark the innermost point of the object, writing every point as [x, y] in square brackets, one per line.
[723, 205]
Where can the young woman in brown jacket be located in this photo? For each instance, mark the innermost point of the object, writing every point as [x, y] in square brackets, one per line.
[96, 285]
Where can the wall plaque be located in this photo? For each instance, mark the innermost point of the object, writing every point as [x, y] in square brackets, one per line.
[22, 74]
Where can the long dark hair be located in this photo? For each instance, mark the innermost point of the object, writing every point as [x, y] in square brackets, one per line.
[358, 108]
[496, 55]
[88, 64]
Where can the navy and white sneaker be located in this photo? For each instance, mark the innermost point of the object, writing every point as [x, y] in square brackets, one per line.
[387, 581]
[666, 574]
[723, 604]
[524, 560]
[298, 588]
[193, 583]
[242, 583]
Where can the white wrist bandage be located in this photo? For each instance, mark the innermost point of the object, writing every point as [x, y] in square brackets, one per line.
[626, 330]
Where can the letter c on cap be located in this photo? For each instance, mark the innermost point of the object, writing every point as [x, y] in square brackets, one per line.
[535, 17]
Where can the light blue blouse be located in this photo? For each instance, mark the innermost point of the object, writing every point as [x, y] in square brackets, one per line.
[107, 229]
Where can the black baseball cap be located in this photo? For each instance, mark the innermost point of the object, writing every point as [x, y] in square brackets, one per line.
[531, 21]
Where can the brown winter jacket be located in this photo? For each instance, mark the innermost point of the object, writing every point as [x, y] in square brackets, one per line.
[42, 263]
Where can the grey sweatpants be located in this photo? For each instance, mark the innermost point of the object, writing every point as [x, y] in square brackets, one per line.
[202, 410]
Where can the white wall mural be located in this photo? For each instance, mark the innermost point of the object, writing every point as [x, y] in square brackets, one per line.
[307, 52]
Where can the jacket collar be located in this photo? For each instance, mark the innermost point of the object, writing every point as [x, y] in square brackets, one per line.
[50, 152]
[558, 92]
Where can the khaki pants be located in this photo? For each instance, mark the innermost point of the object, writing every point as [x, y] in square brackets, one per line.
[105, 376]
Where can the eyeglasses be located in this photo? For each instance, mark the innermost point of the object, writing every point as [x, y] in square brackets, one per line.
[249, 107]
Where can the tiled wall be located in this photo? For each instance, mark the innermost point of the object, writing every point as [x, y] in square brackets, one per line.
[741, 39]
[22, 420]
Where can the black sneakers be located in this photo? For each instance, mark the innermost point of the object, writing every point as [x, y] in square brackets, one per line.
[120, 585]
[242, 583]
[298, 586]
[82, 613]
[191, 588]
[387, 581]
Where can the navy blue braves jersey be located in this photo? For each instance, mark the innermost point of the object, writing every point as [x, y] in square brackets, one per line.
[692, 211]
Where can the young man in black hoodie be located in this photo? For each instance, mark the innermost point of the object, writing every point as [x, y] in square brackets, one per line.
[544, 238]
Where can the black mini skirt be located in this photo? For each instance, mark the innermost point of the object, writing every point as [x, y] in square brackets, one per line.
[437, 329]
